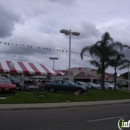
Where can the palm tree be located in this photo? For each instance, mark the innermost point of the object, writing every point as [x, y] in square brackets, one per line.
[118, 62]
[103, 50]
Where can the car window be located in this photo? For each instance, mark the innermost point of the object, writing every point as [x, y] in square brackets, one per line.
[91, 83]
[5, 80]
[1, 81]
[76, 82]
[106, 84]
[66, 83]
[44, 81]
[59, 81]
[70, 82]
[29, 82]
[48, 81]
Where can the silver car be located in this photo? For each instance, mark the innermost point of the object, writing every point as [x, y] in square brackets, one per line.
[110, 86]
[83, 83]
[93, 85]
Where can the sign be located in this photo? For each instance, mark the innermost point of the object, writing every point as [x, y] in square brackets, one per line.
[122, 124]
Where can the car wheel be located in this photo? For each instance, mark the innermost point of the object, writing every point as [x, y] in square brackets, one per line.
[79, 90]
[110, 88]
[92, 87]
[52, 89]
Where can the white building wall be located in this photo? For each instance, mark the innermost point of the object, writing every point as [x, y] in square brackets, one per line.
[75, 71]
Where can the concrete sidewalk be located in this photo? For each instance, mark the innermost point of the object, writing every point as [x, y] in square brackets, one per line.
[36, 106]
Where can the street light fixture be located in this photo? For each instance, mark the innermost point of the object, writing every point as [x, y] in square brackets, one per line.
[68, 32]
[53, 58]
[128, 47]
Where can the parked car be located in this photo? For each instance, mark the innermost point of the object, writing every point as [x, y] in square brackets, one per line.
[41, 84]
[19, 83]
[83, 83]
[93, 85]
[64, 86]
[110, 86]
[6, 86]
[30, 85]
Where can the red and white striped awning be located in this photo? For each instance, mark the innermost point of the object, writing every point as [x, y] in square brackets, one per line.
[27, 68]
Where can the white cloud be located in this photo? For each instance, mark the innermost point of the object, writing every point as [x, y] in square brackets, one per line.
[38, 23]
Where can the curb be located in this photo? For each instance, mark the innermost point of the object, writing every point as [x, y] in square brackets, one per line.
[42, 106]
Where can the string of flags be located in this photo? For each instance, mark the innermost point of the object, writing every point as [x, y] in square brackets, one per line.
[44, 48]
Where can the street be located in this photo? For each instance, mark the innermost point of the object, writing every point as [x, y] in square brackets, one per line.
[80, 118]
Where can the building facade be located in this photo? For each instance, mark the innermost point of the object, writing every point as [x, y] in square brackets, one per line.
[85, 74]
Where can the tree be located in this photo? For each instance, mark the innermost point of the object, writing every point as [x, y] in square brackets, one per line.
[125, 75]
[103, 50]
[118, 62]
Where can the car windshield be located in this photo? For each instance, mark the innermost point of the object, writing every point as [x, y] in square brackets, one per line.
[71, 82]
[82, 83]
[5, 80]
[109, 84]
[91, 83]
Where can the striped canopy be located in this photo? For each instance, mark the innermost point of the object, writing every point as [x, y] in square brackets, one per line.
[27, 68]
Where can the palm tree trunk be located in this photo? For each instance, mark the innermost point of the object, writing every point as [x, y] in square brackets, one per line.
[115, 74]
[102, 76]
[102, 80]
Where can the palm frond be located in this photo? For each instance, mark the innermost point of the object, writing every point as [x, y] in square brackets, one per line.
[106, 38]
[124, 64]
[87, 48]
[117, 45]
[95, 63]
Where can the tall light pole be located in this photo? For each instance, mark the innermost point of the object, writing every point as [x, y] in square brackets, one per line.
[128, 47]
[69, 32]
[53, 58]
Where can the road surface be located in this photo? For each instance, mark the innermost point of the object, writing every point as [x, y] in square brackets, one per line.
[80, 118]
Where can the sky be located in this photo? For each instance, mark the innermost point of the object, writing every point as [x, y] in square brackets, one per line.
[30, 29]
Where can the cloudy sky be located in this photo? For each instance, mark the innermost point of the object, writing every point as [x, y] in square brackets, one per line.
[29, 24]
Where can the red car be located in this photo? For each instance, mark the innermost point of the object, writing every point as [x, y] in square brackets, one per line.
[6, 86]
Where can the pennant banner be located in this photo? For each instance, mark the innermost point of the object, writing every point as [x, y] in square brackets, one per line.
[45, 48]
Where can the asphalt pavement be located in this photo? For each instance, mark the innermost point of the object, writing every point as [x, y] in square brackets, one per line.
[36, 106]
[77, 118]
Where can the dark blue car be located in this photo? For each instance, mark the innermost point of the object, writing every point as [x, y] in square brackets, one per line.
[63, 85]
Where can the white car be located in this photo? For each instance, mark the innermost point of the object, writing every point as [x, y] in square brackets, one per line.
[93, 85]
[110, 86]
[83, 84]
